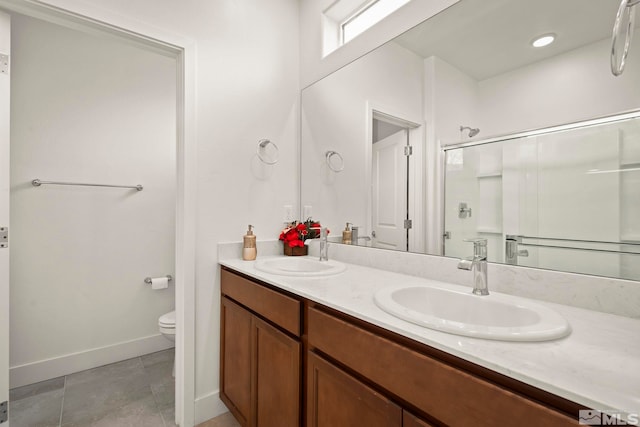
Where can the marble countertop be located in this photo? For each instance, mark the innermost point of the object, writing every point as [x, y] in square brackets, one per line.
[598, 365]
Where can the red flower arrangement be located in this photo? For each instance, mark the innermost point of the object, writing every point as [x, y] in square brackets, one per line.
[297, 232]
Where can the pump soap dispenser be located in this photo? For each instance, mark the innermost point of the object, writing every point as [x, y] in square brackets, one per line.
[346, 234]
[249, 250]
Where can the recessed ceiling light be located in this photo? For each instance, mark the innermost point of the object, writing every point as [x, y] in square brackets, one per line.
[543, 40]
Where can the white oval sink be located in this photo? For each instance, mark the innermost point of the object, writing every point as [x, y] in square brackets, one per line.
[299, 266]
[495, 316]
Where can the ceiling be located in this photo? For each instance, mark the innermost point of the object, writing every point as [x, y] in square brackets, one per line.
[485, 38]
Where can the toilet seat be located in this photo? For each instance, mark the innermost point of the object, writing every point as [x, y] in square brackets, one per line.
[167, 331]
[168, 320]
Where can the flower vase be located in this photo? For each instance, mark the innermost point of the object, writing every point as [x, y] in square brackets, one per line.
[296, 250]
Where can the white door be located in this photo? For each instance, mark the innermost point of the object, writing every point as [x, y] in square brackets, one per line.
[5, 45]
[389, 198]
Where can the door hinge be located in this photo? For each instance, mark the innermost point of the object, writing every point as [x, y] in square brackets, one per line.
[4, 63]
[4, 412]
[408, 224]
[408, 150]
[4, 237]
[447, 235]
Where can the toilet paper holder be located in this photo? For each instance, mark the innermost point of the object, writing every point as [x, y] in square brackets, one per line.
[147, 280]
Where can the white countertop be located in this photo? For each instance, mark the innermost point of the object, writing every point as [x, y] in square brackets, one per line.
[598, 365]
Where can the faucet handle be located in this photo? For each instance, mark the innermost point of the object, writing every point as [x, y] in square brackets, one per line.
[477, 241]
[479, 246]
[465, 264]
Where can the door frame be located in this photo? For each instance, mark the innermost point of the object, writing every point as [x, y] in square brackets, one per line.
[5, 189]
[416, 129]
[88, 18]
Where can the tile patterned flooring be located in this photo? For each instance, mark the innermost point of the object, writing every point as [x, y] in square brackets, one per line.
[137, 392]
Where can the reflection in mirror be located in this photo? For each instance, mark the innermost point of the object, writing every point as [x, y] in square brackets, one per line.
[564, 200]
[469, 73]
[391, 181]
[372, 191]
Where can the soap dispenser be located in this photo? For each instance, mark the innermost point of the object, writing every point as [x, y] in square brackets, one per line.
[346, 234]
[249, 250]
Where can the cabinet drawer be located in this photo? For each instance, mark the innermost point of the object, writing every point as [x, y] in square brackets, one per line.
[280, 309]
[450, 395]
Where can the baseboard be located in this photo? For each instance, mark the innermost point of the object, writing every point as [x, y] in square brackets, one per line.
[209, 406]
[42, 370]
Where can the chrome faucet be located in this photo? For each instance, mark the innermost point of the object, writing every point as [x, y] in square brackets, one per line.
[511, 251]
[324, 247]
[477, 263]
[355, 237]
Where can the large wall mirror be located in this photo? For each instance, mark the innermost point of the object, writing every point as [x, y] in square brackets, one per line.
[462, 128]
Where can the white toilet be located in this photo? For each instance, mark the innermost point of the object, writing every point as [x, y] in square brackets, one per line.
[167, 326]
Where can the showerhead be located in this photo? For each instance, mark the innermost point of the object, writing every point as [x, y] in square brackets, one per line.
[472, 131]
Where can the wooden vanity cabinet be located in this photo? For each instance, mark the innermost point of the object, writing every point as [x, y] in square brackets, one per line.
[442, 392]
[260, 369]
[355, 373]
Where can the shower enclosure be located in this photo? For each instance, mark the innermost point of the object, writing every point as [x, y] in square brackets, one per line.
[565, 198]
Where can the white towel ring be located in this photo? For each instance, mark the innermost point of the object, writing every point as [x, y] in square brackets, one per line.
[328, 155]
[626, 9]
[262, 144]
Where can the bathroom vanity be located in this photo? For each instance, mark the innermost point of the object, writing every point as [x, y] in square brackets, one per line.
[260, 364]
[317, 352]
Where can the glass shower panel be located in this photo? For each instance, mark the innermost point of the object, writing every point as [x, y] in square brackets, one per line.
[571, 199]
[474, 199]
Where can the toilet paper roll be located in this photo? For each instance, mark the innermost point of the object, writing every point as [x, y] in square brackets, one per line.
[160, 283]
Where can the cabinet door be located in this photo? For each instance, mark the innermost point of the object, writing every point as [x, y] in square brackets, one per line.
[410, 420]
[235, 363]
[276, 388]
[335, 399]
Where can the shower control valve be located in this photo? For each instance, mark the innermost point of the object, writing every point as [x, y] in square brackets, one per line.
[463, 210]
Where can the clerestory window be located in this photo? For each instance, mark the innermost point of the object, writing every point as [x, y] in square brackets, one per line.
[374, 12]
[346, 19]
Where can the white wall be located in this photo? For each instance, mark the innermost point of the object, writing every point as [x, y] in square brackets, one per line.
[248, 89]
[389, 79]
[313, 66]
[450, 101]
[454, 97]
[565, 88]
[86, 109]
[574, 86]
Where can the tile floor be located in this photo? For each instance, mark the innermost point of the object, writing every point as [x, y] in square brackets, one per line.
[137, 392]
